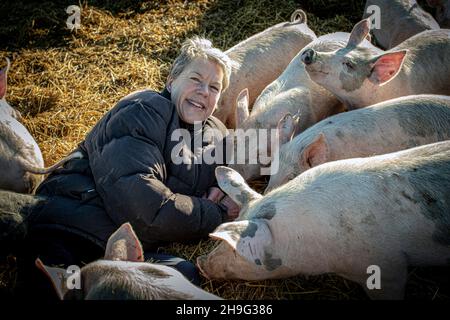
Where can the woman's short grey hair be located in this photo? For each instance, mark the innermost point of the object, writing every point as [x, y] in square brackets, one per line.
[197, 47]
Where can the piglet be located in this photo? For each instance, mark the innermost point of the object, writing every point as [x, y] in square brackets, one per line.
[123, 275]
[385, 127]
[261, 59]
[21, 161]
[359, 77]
[347, 217]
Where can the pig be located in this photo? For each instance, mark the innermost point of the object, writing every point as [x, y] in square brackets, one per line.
[261, 59]
[20, 156]
[388, 126]
[292, 92]
[359, 78]
[442, 12]
[399, 20]
[391, 211]
[123, 275]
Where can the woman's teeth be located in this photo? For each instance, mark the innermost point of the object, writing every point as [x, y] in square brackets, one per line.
[195, 104]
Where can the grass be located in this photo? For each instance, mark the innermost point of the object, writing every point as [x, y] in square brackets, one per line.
[63, 82]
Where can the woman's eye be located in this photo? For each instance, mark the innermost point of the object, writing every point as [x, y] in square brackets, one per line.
[214, 89]
[195, 79]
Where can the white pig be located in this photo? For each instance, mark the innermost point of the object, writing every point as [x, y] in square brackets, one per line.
[391, 211]
[123, 275]
[389, 126]
[360, 78]
[293, 92]
[20, 156]
[442, 11]
[399, 20]
[261, 59]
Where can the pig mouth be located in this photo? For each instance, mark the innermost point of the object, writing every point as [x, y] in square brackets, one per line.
[317, 71]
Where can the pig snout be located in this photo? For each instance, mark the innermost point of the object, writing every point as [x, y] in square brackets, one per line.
[308, 56]
[201, 260]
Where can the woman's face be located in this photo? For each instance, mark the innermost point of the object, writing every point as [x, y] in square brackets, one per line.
[196, 90]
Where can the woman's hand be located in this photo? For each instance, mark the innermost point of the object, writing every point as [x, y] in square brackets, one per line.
[218, 196]
[233, 208]
[215, 194]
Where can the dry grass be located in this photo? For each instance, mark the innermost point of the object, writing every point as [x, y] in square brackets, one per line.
[63, 82]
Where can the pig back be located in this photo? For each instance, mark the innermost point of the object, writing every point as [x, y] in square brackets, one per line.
[426, 68]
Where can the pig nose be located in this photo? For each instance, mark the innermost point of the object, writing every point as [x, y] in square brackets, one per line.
[308, 56]
[200, 261]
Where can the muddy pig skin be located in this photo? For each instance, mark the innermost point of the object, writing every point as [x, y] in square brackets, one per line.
[391, 211]
[262, 58]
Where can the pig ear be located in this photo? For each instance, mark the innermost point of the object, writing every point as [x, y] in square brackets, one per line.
[248, 238]
[387, 66]
[124, 245]
[315, 153]
[4, 79]
[235, 186]
[359, 33]
[242, 107]
[286, 128]
[57, 276]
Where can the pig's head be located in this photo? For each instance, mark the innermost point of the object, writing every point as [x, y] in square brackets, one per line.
[442, 11]
[297, 156]
[254, 153]
[5, 108]
[247, 247]
[356, 71]
[244, 253]
[124, 275]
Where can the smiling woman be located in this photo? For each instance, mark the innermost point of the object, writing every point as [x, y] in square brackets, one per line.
[196, 90]
[197, 78]
[127, 174]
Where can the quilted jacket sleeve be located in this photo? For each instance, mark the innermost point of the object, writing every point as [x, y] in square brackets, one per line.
[125, 155]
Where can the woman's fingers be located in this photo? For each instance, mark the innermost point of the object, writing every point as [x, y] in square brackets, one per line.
[215, 194]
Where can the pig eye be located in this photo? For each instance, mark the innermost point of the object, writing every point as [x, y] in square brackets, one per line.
[349, 65]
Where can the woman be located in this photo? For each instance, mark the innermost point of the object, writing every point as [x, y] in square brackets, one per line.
[127, 173]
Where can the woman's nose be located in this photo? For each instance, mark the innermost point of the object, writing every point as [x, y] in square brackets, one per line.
[203, 89]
